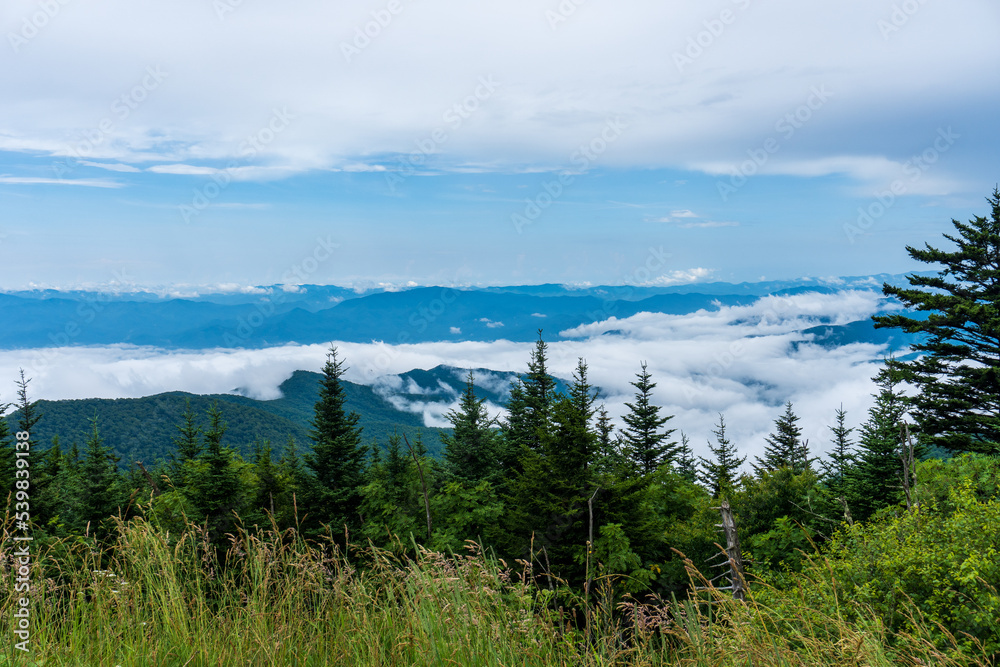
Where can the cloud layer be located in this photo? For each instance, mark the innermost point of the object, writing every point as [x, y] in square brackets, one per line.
[742, 361]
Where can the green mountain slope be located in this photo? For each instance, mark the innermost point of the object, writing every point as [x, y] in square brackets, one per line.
[142, 429]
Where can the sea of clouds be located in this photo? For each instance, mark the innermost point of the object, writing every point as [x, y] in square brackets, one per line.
[743, 361]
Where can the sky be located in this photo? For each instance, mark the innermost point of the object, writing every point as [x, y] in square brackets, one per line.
[205, 142]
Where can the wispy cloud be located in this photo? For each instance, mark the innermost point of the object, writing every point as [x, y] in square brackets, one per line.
[83, 182]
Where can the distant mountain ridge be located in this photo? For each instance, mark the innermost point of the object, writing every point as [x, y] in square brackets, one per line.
[270, 316]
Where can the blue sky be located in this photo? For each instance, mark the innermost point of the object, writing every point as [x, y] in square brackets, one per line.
[446, 142]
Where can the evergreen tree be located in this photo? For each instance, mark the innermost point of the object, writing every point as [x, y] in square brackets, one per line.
[188, 445]
[785, 447]
[28, 414]
[876, 481]
[268, 488]
[217, 488]
[99, 479]
[530, 404]
[956, 370]
[337, 459]
[472, 451]
[842, 458]
[720, 473]
[687, 464]
[646, 445]
[608, 460]
[294, 479]
[7, 455]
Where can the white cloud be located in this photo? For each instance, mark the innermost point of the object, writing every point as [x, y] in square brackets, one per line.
[684, 213]
[84, 182]
[709, 224]
[454, 330]
[346, 110]
[742, 361]
[112, 166]
[680, 277]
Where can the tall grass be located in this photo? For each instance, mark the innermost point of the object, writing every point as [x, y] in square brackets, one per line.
[158, 599]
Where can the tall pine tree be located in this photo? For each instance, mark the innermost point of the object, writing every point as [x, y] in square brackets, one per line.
[646, 443]
[719, 474]
[876, 482]
[472, 451]
[337, 459]
[785, 447]
[957, 370]
[842, 459]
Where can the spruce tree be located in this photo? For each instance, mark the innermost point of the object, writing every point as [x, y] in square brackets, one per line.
[99, 479]
[646, 445]
[876, 481]
[471, 452]
[217, 489]
[188, 445]
[956, 370]
[7, 455]
[687, 464]
[719, 474]
[529, 406]
[337, 459]
[842, 459]
[28, 414]
[785, 447]
[268, 488]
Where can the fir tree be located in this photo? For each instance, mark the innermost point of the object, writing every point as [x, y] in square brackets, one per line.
[99, 478]
[268, 488]
[337, 459]
[785, 447]
[529, 406]
[28, 414]
[646, 445]
[218, 490]
[720, 473]
[958, 352]
[876, 481]
[687, 464]
[471, 452]
[7, 454]
[842, 458]
[188, 445]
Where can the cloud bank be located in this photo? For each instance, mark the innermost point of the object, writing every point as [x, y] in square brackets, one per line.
[742, 361]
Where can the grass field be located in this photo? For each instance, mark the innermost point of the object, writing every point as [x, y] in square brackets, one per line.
[157, 599]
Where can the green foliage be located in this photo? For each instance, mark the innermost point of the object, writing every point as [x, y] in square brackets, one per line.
[842, 458]
[785, 447]
[337, 459]
[876, 480]
[958, 405]
[779, 511]
[647, 446]
[472, 450]
[944, 559]
[719, 473]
